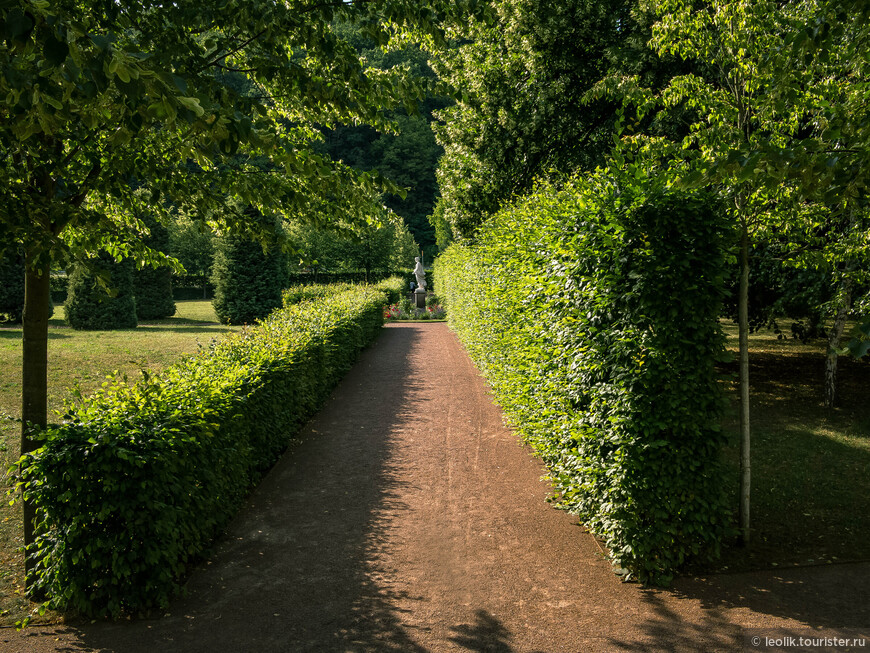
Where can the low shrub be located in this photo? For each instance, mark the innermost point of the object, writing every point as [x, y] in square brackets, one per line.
[592, 312]
[134, 486]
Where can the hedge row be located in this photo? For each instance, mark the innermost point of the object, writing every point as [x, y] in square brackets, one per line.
[137, 482]
[592, 312]
[391, 287]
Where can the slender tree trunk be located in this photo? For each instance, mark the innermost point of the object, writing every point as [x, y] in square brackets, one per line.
[834, 338]
[743, 329]
[34, 402]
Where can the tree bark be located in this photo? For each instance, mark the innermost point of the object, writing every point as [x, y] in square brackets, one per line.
[834, 339]
[34, 396]
[743, 330]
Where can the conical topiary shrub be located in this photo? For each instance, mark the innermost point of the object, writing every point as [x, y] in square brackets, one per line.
[153, 286]
[90, 307]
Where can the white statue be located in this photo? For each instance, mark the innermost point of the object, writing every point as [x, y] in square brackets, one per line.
[420, 273]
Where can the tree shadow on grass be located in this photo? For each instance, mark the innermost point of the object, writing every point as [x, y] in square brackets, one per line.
[303, 566]
[14, 333]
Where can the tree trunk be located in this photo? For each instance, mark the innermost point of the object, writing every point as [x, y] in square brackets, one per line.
[34, 402]
[743, 329]
[834, 339]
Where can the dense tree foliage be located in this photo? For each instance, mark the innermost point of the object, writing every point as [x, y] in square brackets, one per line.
[524, 80]
[407, 156]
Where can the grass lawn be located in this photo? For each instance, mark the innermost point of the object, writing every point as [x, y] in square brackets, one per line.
[810, 466]
[83, 358]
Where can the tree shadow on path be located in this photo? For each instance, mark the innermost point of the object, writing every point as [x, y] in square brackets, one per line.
[304, 566]
[828, 601]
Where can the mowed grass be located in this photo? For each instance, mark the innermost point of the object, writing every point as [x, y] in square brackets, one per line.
[810, 466]
[82, 358]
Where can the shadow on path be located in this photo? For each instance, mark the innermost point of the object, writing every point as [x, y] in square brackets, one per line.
[303, 567]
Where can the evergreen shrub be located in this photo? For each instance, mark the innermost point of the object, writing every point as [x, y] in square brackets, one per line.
[89, 305]
[133, 487]
[248, 280]
[12, 287]
[153, 286]
[592, 312]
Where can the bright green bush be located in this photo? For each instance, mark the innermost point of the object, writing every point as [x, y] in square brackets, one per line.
[592, 312]
[394, 287]
[137, 482]
[90, 307]
[304, 293]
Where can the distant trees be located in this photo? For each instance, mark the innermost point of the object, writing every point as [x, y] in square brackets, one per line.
[408, 156]
[387, 246]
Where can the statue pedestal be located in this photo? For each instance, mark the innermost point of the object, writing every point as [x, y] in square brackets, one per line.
[420, 298]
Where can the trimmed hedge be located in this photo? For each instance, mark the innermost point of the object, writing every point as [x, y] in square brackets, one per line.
[592, 312]
[88, 305]
[392, 288]
[136, 484]
[305, 293]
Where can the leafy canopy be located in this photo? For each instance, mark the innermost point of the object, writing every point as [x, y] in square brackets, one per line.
[193, 101]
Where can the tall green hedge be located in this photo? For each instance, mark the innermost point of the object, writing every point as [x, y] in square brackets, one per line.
[139, 480]
[90, 307]
[592, 312]
[248, 280]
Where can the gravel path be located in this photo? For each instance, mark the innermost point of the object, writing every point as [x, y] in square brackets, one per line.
[410, 520]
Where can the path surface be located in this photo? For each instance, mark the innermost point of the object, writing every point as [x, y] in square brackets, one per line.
[410, 520]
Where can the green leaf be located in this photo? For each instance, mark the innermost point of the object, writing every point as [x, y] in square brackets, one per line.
[55, 51]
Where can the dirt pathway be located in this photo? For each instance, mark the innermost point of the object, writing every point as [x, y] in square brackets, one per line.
[410, 520]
